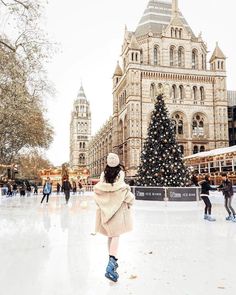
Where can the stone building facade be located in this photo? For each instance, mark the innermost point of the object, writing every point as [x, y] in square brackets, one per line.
[164, 55]
[99, 147]
[80, 132]
[232, 117]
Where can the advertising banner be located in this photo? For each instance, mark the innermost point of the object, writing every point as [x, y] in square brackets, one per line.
[149, 193]
[182, 194]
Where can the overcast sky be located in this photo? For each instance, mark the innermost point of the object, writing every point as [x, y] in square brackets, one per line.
[90, 33]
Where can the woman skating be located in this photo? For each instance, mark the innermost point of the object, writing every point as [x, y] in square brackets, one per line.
[205, 189]
[47, 190]
[227, 189]
[113, 217]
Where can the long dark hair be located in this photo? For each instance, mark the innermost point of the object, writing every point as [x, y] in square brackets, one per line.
[111, 173]
[207, 178]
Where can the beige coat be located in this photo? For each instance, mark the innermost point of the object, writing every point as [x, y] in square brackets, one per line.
[114, 213]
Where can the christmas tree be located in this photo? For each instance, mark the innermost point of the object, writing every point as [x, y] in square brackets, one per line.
[161, 158]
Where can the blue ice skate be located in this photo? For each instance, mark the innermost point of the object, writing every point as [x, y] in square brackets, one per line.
[111, 273]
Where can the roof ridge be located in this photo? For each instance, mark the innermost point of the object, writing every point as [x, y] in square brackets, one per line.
[157, 17]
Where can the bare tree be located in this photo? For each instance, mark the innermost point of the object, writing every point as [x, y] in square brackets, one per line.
[30, 164]
[24, 50]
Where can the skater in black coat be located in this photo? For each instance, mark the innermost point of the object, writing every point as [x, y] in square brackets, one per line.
[227, 189]
[66, 188]
[205, 190]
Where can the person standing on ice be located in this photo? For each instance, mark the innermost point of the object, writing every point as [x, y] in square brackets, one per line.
[227, 189]
[47, 190]
[66, 188]
[205, 189]
[113, 216]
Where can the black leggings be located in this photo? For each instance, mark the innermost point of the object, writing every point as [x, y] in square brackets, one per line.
[45, 195]
[207, 202]
[67, 195]
[228, 206]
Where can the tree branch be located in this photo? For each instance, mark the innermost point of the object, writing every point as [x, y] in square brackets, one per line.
[21, 3]
[7, 45]
[16, 2]
[3, 2]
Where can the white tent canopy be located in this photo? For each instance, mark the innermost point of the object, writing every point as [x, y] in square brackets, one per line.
[213, 153]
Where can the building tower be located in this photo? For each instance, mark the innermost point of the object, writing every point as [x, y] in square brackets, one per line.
[80, 131]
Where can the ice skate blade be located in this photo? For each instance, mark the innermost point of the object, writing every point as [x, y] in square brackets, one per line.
[109, 277]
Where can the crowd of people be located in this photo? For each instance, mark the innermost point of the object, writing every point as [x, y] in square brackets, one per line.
[66, 187]
[25, 188]
[12, 188]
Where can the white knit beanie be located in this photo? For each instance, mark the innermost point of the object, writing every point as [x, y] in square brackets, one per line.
[113, 160]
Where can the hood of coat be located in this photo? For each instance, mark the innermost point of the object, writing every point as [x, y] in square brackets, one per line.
[103, 186]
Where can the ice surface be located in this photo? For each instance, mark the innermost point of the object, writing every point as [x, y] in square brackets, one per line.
[172, 251]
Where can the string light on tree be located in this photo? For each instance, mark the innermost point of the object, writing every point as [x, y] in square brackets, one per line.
[161, 153]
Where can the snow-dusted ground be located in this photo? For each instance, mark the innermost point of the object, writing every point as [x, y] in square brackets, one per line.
[172, 251]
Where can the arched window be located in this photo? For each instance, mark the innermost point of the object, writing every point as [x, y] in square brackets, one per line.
[222, 65]
[194, 59]
[172, 56]
[195, 149]
[141, 56]
[202, 148]
[195, 93]
[181, 57]
[160, 88]
[182, 149]
[156, 55]
[218, 65]
[181, 92]
[81, 159]
[83, 145]
[172, 32]
[194, 125]
[153, 91]
[203, 62]
[180, 33]
[174, 92]
[202, 93]
[178, 122]
[176, 33]
[80, 145]
[198, 125]
[180, 127]
[136, 56]
[132, 56]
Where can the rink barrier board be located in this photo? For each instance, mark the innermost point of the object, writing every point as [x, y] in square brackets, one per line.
[171, 194]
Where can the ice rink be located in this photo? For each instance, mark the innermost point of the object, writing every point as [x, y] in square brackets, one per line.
[51, 250]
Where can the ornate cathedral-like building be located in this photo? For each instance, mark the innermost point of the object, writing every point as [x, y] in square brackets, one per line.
[163, 55]
[80, 132]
